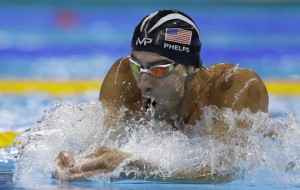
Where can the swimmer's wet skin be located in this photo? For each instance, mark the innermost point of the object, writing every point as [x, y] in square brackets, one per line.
[164, 72]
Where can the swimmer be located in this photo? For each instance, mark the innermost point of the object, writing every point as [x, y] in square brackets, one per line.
[164, 72]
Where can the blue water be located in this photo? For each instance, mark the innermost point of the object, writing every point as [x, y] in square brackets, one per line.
[77, 40]
[262, 37]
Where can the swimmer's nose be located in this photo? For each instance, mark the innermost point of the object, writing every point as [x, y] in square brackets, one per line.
[145, 83]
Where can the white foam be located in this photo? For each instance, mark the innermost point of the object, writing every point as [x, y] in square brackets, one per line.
[80, 128]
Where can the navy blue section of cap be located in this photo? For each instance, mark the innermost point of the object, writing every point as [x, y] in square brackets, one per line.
[151, 35]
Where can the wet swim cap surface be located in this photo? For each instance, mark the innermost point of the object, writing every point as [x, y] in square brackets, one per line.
[169, 33]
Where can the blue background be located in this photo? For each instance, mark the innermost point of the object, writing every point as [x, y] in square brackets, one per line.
[81, 39]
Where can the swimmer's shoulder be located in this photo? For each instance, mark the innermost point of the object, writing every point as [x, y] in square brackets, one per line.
[227, 70]
[115, 77]
[119, 86]
[238, 88]
[121, 66]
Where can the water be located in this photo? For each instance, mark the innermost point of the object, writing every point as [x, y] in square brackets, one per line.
[79, 127]
[62, 40]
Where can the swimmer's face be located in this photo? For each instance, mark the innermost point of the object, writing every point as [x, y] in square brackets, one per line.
[162, 93]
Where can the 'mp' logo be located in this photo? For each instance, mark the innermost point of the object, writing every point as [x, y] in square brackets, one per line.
[144, 41]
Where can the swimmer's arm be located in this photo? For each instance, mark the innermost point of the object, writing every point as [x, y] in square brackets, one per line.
[204, 175]
[102, 161]
[149, 172]
[105, 160]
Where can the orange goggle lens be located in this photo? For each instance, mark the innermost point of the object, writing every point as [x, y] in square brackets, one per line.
[160, 71]
[157, 70]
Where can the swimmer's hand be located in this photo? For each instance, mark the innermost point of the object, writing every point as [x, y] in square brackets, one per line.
[102, 161]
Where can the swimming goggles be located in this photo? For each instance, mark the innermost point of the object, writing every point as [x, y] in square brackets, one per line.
[156, 70]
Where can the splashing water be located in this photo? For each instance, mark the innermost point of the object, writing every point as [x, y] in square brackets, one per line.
[268, 152]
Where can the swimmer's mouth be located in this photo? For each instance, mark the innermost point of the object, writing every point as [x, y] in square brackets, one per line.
[149, 103]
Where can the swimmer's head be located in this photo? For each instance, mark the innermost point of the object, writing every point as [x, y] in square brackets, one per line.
[171, 34]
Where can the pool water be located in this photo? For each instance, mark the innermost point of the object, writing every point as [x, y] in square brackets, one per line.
[82, 131]
[79, 41]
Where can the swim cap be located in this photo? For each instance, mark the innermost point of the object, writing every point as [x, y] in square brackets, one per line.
[169, 33]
